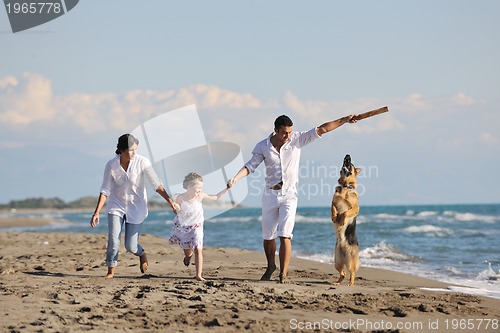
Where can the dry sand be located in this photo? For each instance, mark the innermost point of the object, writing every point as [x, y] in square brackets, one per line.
[53, 282]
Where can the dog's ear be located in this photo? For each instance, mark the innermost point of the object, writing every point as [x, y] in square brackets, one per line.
[358, 171]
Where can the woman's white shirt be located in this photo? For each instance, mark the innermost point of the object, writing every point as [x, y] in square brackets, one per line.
[126, 190]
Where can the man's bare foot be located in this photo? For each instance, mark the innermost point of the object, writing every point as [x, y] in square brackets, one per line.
[111, 273]
[283, 279]
[143, 263]
[200, 278]
[269, 272]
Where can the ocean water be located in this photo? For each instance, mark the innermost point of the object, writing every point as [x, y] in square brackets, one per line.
[457, 244]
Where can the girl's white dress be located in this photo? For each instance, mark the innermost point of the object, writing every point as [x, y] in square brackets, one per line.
[188, 225]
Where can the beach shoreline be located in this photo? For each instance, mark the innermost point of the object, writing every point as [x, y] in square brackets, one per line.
[54, 282]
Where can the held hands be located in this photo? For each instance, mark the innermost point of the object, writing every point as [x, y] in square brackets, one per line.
[231, 182]
[351, 119]
[175, 207]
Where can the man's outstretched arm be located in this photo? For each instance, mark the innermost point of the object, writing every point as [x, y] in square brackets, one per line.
[331, 125]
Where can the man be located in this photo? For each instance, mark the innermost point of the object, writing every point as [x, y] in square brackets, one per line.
[281, 155]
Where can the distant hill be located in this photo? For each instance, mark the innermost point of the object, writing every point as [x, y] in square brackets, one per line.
[85, 202]
[50, 203]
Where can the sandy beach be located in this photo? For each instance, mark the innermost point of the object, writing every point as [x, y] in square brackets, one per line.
[53, 282]
[23, 222]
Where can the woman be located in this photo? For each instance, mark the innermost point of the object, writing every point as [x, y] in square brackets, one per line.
[123, 186]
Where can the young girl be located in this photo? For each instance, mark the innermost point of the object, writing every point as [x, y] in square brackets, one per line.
[188, 224]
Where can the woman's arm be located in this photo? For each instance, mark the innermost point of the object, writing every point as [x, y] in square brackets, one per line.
[163, 193]
[100, 203]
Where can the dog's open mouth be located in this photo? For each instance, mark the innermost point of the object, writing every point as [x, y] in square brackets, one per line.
[346, 167]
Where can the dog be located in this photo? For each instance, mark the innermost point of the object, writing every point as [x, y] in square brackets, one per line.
[345, 209]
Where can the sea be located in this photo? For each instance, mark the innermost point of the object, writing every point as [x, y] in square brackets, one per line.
[456, 244]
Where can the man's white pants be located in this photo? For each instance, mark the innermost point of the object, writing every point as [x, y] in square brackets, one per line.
[278, 214]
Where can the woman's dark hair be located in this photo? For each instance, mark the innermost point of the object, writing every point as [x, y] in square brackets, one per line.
[125, 142]
[190, 179]
[282, 121]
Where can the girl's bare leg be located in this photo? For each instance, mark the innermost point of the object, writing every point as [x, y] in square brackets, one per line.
[188, 253]
[198, 261]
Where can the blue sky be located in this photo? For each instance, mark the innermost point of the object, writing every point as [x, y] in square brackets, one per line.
[70, 87]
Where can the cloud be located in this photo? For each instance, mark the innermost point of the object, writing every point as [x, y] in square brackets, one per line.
[462, 99]
[28, 101]
[318, 112]
[25, 100]
[423, 134]
[488, 138]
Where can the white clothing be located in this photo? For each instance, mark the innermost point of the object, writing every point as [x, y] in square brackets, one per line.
[279, 206]
[283, 165]
[187, 231]
[278, 214]
[126, 190]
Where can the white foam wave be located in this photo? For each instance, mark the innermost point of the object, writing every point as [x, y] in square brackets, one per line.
[452, 216]
[453, 270]
[383, 252]
[489, 274]
[386, 218]
[319, 257]
[312, 219]
[433, 216]
[426, 214]
[387, 256]
[430, 230]
[46, 227]
[234, 219]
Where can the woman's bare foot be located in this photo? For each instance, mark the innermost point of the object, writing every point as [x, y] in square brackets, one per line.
[200, 278]
[269, 272]
[143, 263]
[111, 273]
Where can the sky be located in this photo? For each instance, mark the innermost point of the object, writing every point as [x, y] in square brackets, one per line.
[69, 88]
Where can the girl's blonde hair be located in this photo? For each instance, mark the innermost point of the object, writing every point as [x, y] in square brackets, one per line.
[191, 179]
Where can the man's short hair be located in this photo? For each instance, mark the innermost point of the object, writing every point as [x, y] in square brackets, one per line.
[282, 121]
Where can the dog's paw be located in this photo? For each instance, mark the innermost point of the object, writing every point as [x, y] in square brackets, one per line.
[340, 221]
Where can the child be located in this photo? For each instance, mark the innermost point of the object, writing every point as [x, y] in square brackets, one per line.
[188, 224]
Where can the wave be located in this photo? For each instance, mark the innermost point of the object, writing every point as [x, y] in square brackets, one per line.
[312, 219]
[489, 275]
[375, 256]
[234, 219]
[429, 230]
[387, 256]
[318, 257]
[452, 216]
[383, 254]
[426, 214]
[485, 283]
[51, 226]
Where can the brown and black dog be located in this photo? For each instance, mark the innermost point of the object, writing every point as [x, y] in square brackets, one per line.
[345, 209]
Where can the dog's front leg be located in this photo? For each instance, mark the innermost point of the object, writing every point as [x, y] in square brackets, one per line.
[341, 219]
[334, 213]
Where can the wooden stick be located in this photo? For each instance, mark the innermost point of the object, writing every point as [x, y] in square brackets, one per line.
[371, 113]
